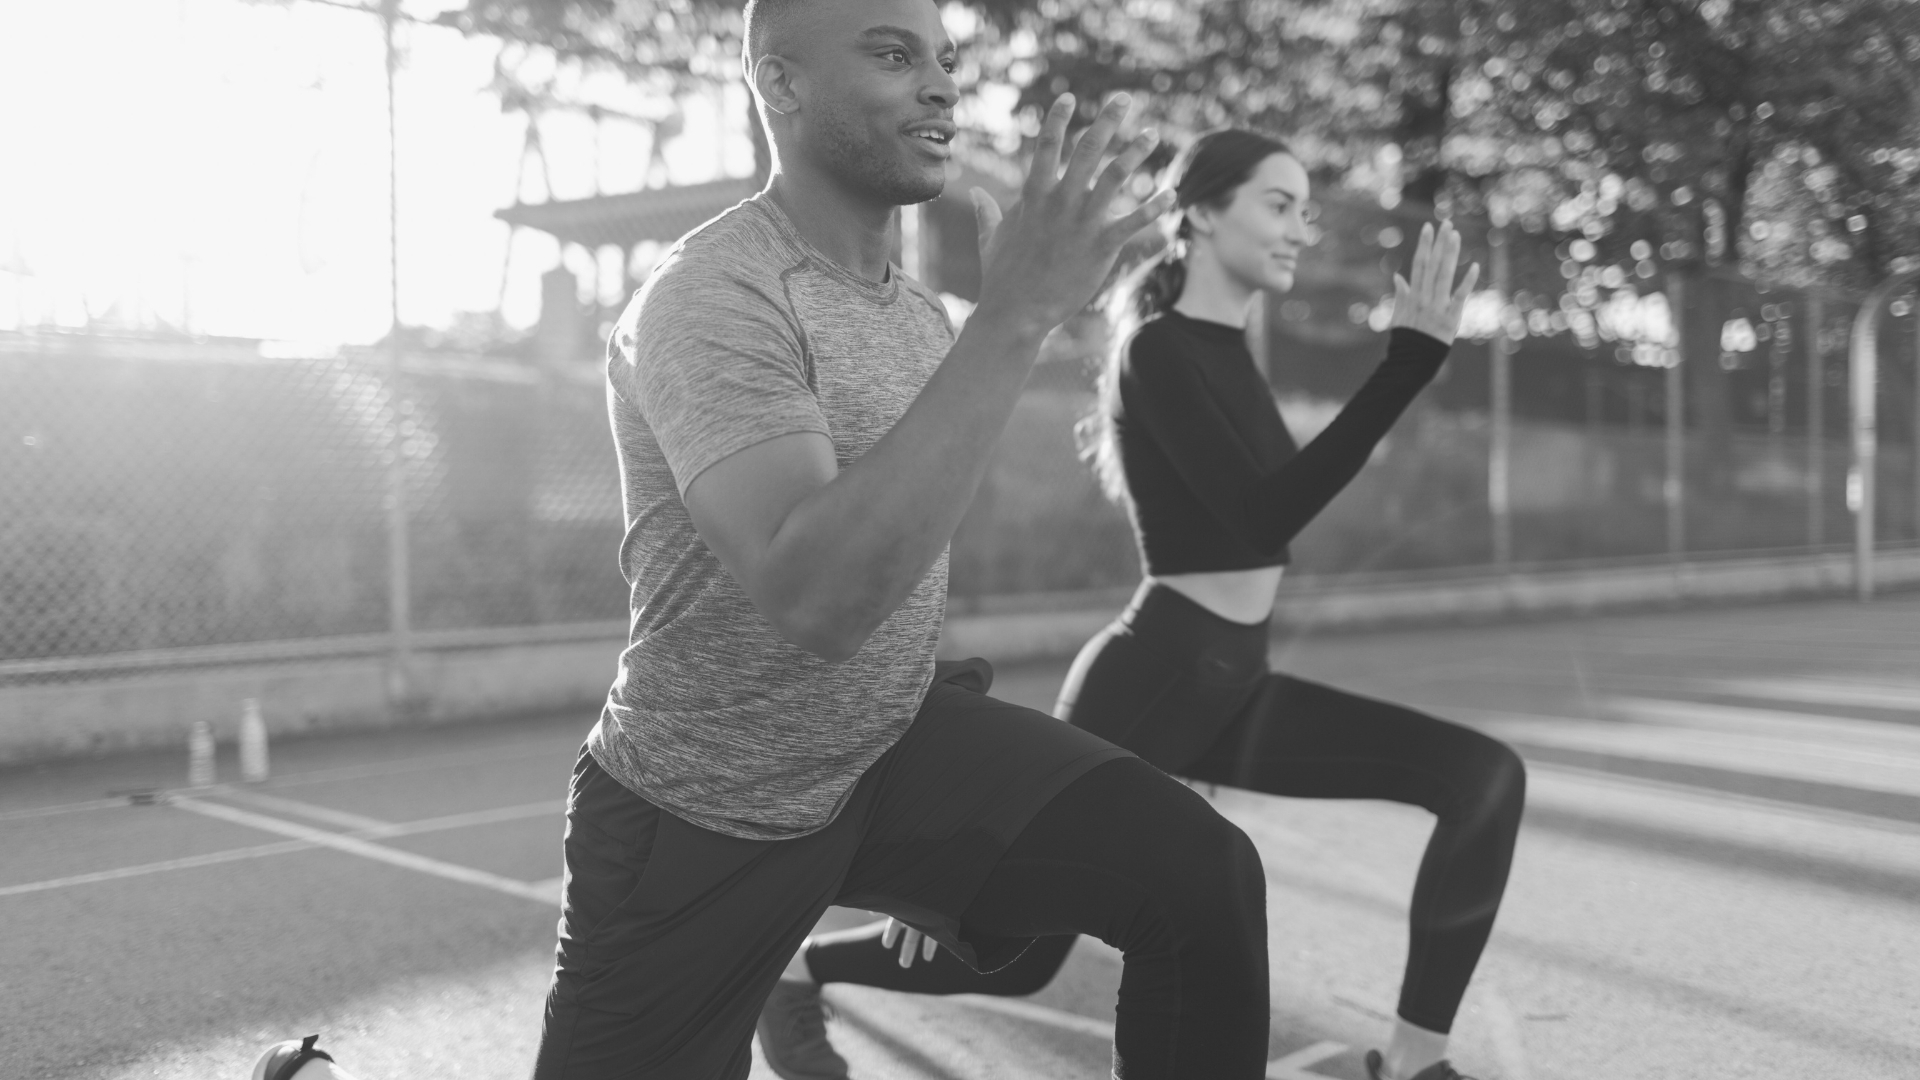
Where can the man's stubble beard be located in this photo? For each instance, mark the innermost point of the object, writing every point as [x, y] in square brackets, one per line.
[843, 150]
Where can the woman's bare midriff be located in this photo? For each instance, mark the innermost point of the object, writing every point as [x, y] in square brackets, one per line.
[1242, 596]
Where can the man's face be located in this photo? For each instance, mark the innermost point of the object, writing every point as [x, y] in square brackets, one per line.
[877, 96]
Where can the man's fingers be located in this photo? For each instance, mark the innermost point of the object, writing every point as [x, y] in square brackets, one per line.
[1123, 166]
[1143, 215]
[1044, 170]
[986, 213]
[1093, 142]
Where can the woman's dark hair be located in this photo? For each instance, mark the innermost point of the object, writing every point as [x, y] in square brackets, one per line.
[1206, 173]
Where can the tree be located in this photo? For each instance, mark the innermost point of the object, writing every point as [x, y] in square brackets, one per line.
[673, 47]
[1687, 103]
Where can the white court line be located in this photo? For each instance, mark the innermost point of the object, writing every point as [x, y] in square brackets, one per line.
[1873, 691]
[1289, 1067]
[323, 814]
[549, 888]
[368, 850]
[466, 820]
[1038, 1014]
[62, 808]
[188, 863]
[427, 763]
[1294, 1066]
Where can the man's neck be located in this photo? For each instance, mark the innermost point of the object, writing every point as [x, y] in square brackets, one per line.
[854, 232]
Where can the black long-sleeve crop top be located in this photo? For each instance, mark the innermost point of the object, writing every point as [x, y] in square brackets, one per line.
[1215, 480]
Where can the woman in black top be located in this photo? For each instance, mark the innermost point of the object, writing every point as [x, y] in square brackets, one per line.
[1188, 439]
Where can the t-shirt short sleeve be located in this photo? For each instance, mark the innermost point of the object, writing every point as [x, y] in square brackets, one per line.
[713, 363]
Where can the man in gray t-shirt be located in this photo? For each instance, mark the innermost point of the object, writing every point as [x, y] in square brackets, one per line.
[799, 432]
[745, 334]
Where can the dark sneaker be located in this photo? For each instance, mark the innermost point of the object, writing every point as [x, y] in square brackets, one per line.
[793, 1034]
[284, 1060]
[1439, 1070]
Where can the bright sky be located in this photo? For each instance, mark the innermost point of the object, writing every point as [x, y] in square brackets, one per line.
[228, 158]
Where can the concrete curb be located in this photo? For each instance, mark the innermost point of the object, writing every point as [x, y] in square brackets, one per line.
[75, 706]
[1326, 605]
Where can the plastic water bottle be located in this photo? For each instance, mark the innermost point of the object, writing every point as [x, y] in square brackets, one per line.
[200, 755]
[253, 742]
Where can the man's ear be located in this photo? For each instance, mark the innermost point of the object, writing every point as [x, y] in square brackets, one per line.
[773, 78]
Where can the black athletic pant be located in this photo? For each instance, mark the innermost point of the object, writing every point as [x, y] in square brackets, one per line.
[1191, 693]
[987, 825]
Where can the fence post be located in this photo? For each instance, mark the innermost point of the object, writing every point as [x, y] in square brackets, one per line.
[1814, 330]
[1674, 490]
[400, 688]
[1500, 408]
[1863, 370]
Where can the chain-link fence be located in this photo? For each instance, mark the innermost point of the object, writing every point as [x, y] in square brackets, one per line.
[170, 494]
[1613, 454]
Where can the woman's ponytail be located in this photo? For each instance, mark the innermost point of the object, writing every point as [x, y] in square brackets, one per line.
[1206, 173]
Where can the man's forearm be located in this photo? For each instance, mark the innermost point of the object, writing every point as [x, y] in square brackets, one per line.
[848, 555]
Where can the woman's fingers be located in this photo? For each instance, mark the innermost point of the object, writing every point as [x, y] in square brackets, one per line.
[890, 934]
[928, 947]
[1458, 304]
[1422, 259]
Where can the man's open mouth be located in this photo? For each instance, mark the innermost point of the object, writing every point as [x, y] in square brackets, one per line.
[940, 134]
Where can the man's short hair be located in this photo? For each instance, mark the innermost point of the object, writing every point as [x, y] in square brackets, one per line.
[768, 22]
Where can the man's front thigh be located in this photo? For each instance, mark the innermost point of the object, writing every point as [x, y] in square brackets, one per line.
[669, 981]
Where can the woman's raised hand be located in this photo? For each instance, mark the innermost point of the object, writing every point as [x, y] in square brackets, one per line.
[1429, 303]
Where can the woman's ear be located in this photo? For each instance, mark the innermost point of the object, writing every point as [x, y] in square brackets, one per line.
[1201, 220]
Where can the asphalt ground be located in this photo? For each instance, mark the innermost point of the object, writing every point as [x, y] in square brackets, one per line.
[1719, 876]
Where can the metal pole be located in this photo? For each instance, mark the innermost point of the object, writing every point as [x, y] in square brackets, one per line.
[1674, 490]
[1500, 408]
[400, 687]
[1863, 369]
[1816, 421]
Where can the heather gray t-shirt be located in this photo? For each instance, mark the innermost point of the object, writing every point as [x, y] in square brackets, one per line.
[742, 334]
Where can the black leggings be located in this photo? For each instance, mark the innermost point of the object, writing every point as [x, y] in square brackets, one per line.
[1191, 693]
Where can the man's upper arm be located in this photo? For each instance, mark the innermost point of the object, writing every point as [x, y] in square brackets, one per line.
[715, 366]
[739, 502]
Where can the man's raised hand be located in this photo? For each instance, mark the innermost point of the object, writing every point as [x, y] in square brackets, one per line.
[1043, 262]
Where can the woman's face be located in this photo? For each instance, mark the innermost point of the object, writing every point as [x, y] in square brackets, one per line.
[1258, 237]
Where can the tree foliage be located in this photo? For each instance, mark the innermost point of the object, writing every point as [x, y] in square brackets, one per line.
[1779, 135]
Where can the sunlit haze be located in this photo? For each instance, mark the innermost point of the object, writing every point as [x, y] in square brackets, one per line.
[220, 166]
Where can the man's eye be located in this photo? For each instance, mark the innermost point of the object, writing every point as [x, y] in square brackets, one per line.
[898, 56]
